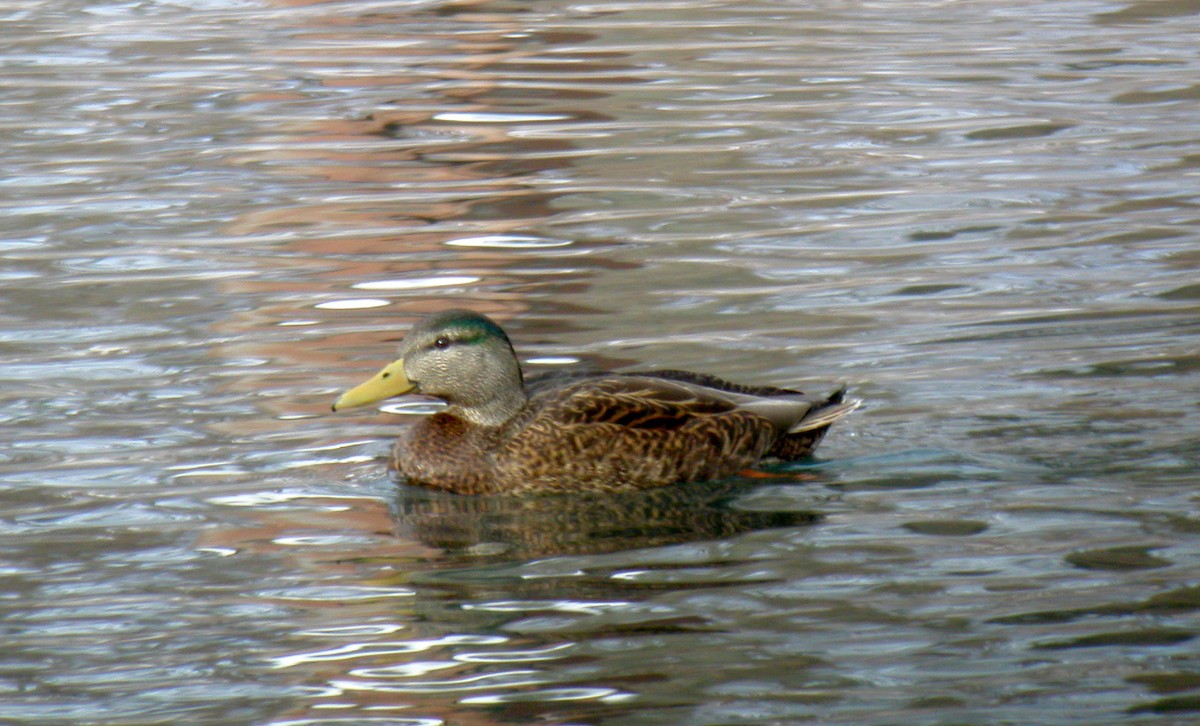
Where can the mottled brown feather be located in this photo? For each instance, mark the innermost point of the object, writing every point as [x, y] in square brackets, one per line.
[600, 433]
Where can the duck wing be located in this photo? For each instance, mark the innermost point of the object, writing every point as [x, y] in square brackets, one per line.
[632, 402]
[716, 383]
[789, 409]
[548, 380]
[653, 402]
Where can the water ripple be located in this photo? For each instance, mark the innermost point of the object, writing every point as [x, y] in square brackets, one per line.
[982, 216]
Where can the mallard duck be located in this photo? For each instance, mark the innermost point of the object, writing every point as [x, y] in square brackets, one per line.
[571, 432]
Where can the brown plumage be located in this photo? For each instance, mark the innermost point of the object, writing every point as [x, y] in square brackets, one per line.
[576, 431]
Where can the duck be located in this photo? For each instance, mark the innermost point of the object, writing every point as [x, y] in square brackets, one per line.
[574, 431]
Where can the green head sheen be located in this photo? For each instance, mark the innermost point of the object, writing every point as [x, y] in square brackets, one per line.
[464, 327]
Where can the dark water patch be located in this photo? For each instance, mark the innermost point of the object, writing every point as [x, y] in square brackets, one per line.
[931, 289]
[1117, 558]
[1152, 637]
[1182, 523]
[1168, 682]
[1023, 131]
[1186, 292]
[935, 236]
[1168, 95]
[1148, 11]
[1151, 367]
[1175, 704]
[946, 528]
[1182, 600]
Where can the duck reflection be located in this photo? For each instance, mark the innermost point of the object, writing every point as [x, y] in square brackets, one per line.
[560, 524]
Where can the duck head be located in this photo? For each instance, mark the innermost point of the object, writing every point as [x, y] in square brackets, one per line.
[459, 356]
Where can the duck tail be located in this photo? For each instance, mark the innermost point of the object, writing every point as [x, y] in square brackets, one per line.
[833, 408]
[804, 435]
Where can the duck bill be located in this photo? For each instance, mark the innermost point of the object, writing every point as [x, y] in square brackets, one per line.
[388, 382]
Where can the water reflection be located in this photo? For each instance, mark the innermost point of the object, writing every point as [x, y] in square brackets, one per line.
[980, 215]
[443, 602]
[523, 527]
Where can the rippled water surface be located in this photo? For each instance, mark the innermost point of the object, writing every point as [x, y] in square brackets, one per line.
[984, 217]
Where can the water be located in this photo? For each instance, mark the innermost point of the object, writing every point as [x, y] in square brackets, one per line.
[982, 216]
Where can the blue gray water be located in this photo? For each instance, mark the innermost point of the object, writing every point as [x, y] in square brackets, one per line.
[984, 217]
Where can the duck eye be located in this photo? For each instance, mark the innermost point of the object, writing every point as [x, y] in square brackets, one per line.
[441, 343]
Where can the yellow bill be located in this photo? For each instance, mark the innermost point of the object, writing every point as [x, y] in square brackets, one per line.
[388, 382]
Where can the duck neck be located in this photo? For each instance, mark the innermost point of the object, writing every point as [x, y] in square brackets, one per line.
[496, 411]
